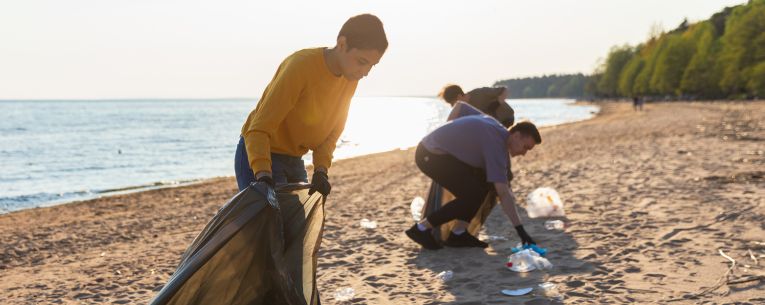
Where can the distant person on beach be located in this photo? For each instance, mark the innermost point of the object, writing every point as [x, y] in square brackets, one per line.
[489, 100]
[305, 108]
[637, 103]
[468, 156]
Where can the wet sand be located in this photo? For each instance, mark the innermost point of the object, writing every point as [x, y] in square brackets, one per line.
[652, 198]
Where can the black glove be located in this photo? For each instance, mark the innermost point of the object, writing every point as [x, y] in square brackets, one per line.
[320, 183]
[525, 238]
[267, 180]
[270, 191]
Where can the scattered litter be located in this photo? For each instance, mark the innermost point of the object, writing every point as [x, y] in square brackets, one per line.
[547, 286]
[445, 276]
[368, 224]
[550, 290]
[516, 292]
[527, 260]
[539, 250]
[416, 206]
[554, 225]
[344, 294]
[491, 238]
[544, 202]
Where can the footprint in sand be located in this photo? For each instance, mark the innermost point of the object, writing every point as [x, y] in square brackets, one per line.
[632, 269]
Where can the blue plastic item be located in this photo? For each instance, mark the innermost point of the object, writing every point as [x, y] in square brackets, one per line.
[541, 251]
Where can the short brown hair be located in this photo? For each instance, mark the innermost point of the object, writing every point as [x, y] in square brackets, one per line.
[528, 129]
[364, 32]
[450, 93]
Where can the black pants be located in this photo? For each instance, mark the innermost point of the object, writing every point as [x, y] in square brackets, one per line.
[467, 183]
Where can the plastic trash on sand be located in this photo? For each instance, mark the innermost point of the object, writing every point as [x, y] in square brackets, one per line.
[445, 276]
[549, 290]
[555, 225]
[368, 224]
[539, 250]
[527, 260]
[544, 202]
[344, 294]
[492, 238]
[416, 206]
[516, 292]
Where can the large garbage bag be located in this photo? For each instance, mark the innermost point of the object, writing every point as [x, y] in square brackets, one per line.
[487, 100]
[253, 251]
[439, 196]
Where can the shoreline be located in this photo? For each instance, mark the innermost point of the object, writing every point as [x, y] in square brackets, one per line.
[171, 184]
[650, 199]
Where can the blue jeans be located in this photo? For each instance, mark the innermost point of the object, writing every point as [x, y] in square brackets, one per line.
[284, 169]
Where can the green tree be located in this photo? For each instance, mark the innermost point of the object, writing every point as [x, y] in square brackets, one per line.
[743, 46]
[629, 73]
[528, 92]
[649, 54]
[574, 87]
[756, 83]
[700, 77]
[670, 64]
[552, 91]
[618, 57]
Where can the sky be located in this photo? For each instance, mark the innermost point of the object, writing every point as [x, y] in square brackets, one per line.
[101, 49]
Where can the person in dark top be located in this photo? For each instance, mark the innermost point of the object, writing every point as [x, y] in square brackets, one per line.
[489, 100]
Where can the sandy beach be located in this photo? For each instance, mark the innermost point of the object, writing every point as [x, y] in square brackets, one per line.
[653, 201]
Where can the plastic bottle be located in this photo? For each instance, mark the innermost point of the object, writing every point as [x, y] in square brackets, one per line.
[554, 225]
[344, 294]
[550, 290]
[368, 224]
[416, 206]
[445, 276]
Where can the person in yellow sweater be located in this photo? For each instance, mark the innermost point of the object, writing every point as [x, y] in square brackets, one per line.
[305, 108]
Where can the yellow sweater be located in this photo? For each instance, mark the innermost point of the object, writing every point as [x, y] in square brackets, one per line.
[304, 107]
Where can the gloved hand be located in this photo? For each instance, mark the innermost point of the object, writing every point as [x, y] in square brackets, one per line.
[525, 238]
[320, 183]
[267, 180]
[269, 189]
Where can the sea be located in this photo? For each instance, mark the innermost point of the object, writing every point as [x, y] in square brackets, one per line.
[59, 151]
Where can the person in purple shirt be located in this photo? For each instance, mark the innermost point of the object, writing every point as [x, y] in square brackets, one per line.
[469, 156]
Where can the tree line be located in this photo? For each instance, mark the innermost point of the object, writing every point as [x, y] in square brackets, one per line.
[722, 57]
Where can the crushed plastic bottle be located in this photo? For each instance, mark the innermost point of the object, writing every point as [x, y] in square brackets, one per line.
[521, 262]
[528, 260]
[368, 224]
[416, 207]
[555, 225]
[445, 276]
[344, 294]
[549, 290]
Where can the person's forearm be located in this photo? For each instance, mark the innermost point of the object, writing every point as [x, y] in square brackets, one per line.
[508, 203]
[455, 111]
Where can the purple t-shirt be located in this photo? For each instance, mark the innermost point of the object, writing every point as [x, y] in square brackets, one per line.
[478, 140]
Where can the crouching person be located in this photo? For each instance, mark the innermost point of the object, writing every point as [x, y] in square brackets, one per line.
[469, 156]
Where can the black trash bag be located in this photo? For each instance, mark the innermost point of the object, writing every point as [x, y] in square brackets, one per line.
[253, 251]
